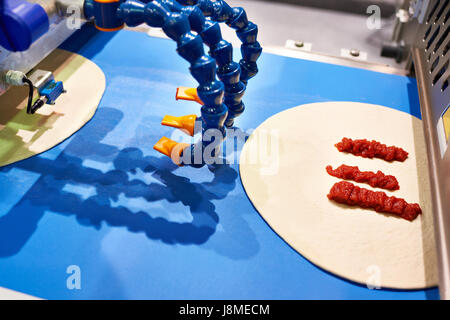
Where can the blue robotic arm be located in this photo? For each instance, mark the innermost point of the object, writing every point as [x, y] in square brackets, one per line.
[221, 99]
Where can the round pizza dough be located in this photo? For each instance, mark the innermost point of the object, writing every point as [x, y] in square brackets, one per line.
[282, 169]
[23, 135]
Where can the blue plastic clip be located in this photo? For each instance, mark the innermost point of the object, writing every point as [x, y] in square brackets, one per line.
[52, 90]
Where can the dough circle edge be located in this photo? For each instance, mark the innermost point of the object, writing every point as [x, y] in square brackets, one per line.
[426, 251]
[28, 135]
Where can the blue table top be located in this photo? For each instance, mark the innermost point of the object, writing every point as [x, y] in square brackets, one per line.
[139, 227]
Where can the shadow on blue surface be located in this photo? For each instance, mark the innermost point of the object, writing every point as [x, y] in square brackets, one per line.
[82, 41]
[109, 179]
[48, 193]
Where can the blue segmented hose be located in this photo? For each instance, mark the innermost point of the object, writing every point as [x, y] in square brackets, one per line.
[246, 31]
[222, 98]
[234, 77]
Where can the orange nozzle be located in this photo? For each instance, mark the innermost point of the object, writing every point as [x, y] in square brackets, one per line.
[185, 93]
[185, 123]
[171, 149]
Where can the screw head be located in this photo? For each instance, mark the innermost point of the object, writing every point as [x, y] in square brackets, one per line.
[354, 52]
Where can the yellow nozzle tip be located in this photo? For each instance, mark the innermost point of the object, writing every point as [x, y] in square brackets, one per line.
[171, 121]
[191, 91]
[164, 146]
[170, 148]
[185, 123]
[190, 94]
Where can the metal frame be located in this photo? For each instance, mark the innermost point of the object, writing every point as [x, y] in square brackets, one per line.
[429, 41]
[59, 31]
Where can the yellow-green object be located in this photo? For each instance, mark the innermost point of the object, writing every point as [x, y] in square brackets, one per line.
[446, 122]
[23, 135]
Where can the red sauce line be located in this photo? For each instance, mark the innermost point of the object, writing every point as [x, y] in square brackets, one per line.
[347, 193]
[375, 180]
[371, 149]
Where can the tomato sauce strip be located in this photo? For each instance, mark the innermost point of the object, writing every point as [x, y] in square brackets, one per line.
[347, 193]
[371, 149]
[375, 180]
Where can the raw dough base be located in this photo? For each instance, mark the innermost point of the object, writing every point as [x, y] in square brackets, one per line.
[357, 244]
[23, 135]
